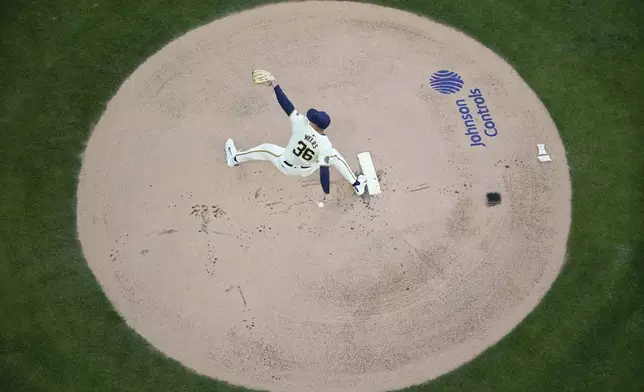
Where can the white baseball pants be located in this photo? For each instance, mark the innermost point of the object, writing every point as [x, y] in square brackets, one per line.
[274, 154]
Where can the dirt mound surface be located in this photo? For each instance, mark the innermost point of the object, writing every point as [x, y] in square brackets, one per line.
[238, 274]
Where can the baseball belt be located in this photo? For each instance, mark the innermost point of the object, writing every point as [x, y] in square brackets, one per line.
[296, 167]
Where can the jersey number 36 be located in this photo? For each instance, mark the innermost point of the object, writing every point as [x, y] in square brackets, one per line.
[303, 151]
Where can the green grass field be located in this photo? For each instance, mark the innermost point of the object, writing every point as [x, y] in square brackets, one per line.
[61, 61]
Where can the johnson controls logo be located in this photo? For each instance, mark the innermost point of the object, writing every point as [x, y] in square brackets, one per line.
[473, 107]
[446, 82]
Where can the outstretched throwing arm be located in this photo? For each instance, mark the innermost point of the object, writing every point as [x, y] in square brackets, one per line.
[325, 179]
[325, 173]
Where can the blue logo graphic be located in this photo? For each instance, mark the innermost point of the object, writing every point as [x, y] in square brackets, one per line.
[446, 82]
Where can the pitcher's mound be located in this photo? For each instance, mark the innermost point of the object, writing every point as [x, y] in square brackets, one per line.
[239, 275]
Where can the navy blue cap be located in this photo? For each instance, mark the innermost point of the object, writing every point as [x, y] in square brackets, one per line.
[319, 118]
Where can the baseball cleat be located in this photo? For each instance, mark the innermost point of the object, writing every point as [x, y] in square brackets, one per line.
[231, 151]
[362, 184]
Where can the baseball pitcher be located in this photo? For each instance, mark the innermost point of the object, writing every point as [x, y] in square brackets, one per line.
[308, 149]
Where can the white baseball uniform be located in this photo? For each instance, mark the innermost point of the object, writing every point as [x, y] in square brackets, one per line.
[305, 153]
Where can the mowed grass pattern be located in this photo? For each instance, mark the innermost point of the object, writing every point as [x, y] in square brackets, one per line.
[61, 61]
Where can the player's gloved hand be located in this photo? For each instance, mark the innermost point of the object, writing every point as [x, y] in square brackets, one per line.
[263, 77]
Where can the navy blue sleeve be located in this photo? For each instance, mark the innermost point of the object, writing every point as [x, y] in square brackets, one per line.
[325, 178]
[286, 105]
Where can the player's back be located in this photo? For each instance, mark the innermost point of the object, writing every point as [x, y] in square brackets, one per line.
[306, 144]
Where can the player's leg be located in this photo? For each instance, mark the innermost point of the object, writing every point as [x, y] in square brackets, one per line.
[341, 165]
[263, 152]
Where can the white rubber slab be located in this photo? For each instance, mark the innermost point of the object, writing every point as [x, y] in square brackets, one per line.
[368, 169]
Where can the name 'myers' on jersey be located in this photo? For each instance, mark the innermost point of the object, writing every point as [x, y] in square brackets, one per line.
[306, 146]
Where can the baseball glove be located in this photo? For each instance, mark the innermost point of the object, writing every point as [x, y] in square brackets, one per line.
[263, 77]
